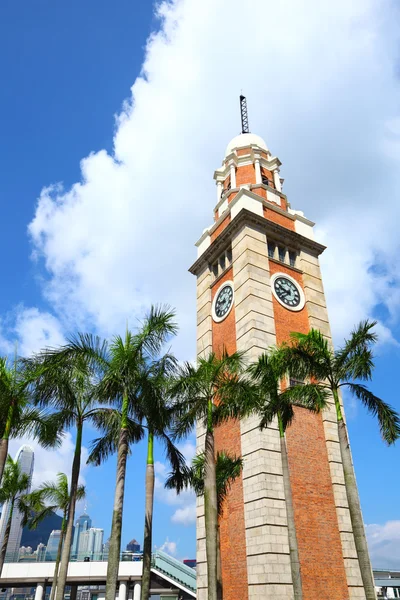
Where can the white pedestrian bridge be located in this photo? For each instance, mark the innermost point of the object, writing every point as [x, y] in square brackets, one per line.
[170, 579]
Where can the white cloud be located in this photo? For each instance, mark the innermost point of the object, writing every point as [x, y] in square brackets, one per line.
[384, 544]
[186, 515]
[50, 462]
[32, 331]
[169, 547]
[186, 500]
[321, 82]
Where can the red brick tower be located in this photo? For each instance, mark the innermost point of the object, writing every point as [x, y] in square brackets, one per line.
[256, 244]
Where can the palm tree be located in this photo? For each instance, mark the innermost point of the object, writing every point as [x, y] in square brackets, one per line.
[274, 403]
[228, 468]
[158, 413]
[209, 393]
[310, 355]
[14, 491]
[58, 494]
[152, 412]
[18, 416]
[122, 369]
[66, 382]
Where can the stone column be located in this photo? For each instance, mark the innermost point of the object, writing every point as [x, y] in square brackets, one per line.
[137, 588]
[122, 590]
[258, 170]
[219, 190]
[39, 591]
[277, 180]
[74, 591]
[233, 175]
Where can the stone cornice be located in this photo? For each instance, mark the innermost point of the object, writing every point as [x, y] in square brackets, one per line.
[244, 217]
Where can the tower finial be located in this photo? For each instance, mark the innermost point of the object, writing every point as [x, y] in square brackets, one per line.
[243, 114]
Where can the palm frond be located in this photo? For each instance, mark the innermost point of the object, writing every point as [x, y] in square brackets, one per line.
[388, 418]
[355, 359]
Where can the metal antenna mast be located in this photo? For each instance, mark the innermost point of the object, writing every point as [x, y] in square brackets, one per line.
[243, 114]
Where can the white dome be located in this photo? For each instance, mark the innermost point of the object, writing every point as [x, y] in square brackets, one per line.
[245, 139]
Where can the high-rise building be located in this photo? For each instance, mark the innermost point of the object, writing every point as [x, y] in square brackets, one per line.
[258, 280]
[133, 546]
[25, 459]
[83, 523]
[52, 545]
[40, 552]
[106, 548]
[90, 543]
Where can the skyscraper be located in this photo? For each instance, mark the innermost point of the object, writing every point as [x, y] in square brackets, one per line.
[52, 544]
[25, 459]
[90, 543]
[83, 523]
[133, 546]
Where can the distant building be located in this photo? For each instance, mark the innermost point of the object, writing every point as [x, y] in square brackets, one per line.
[52, 545]
[25, 459]
[106, 548]
[133, 546]
[90, 543]
[190, 562]
[40, 552]
[83, 523]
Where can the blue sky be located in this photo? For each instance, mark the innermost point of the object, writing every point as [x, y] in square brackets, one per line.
[133, 172]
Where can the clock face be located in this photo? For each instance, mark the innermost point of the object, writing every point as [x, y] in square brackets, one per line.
[223, 302]
[287, 292]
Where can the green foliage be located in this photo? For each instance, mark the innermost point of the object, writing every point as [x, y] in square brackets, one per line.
[14, 486]
[271, 402]
[51, 497]
[310, 356]
[228, 468]
[212, 392]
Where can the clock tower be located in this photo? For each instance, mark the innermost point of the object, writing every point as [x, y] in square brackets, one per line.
[259, 279]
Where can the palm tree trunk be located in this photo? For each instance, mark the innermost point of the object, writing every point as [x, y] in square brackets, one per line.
[293, 547]
[116, 527]
[148, 523]
[219, 567]
[353, 500]
[76, 466]
[59, 550]
[5, 438]
[5, 540]
[211, 509]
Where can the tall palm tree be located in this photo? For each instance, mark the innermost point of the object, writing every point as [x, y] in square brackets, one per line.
[157, 412]
[209, 393]
[58, 495]
[13, 490]
[122, 363]
[228, 468]
[310, 355]
[18, 416]
[66, 383]
[151, 412]
[276, 403]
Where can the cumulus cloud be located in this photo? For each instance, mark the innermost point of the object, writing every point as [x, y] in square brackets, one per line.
[186, 500]
[186, 515]
[384, 544]
[32, 330]
[321, 83]
[169, 547]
